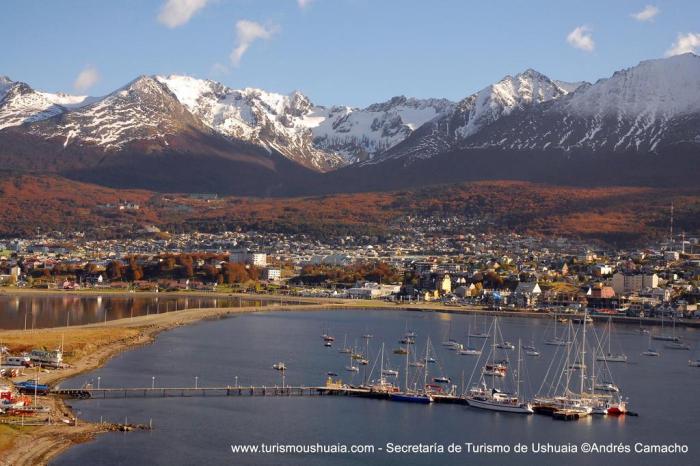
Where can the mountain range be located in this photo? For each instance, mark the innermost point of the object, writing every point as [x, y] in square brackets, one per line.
[641, 126]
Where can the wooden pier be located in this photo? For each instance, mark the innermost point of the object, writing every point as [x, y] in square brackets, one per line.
[165, 392]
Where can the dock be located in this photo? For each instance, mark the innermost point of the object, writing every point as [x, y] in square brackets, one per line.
[166, 392]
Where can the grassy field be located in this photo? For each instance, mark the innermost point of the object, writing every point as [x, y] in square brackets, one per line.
[77, 342]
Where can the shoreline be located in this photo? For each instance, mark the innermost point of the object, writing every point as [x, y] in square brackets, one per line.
[40, 445]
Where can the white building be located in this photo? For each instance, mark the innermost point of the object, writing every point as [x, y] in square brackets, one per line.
[372, 290]
[244, 256]
[272, 274]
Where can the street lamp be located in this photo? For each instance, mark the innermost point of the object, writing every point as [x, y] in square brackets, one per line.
[98, 382]
[153, 382]
[196, 381]
[236, 381]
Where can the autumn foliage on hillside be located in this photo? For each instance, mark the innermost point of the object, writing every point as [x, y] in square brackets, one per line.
[614, 214]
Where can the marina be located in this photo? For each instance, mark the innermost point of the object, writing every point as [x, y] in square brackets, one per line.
[348, 396]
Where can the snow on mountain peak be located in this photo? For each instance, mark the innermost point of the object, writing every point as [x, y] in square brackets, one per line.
[660, 88]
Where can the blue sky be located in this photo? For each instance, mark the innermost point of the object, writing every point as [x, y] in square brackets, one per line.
[352, 52]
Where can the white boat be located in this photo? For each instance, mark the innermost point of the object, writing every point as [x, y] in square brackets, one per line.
[495, 400]
[556, 340]
[417, 364]
[483, 397]
[533, 353]
[470, 352]
[677, 345]
[610, 357]
[506, 345]
[694, 363]
[279, 366]
[352, 368]
[607, 387]
[651, 351]
[495, 370]
[390, 373]
[328, 344]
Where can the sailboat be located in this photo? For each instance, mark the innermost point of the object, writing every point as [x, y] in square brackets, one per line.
[414, 396]
[352, 367]
[675, 343]
[450, 343]
[609, 357]
[469, 350]
[665, 336]
[484, 334]
[556, 340]
[383, 387]
[493, 399]
[568, 403]
[650, 351]
[345, 349]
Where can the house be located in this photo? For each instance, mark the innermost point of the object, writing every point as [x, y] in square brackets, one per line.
[527, 293]
[371, 290]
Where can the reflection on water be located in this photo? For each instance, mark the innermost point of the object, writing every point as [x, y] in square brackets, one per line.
[55, 310]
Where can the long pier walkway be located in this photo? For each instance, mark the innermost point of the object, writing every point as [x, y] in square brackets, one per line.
[162, 392]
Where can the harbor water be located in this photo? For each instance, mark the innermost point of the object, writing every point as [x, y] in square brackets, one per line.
[242, 349]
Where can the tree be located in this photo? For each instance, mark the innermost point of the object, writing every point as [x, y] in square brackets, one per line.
[114, 270]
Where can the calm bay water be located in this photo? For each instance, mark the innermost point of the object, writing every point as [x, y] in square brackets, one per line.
[58, 310]
[201, 430]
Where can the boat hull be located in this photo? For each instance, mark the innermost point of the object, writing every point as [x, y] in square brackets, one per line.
[408, 398]
[523, 408]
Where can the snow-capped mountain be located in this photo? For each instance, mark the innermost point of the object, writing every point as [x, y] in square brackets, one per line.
[20, 104]
[319, 137]
[143, 111]
[522, 91]
[640, 109]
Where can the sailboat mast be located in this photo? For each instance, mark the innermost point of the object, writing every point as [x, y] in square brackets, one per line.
[425, 365]
[406, 373]
[583, 352]
[517, 387]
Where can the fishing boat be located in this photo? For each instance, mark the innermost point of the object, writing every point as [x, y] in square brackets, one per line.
[279, 366]
[609, 356]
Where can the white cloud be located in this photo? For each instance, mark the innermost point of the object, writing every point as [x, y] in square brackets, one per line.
[218, 69]
[684, 44]
[581, 38]
[647, 14]
[248, 32]
[86, 79]
[175, 13]
[304, 3]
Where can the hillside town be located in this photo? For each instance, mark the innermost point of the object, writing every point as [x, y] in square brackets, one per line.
[429, 261]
